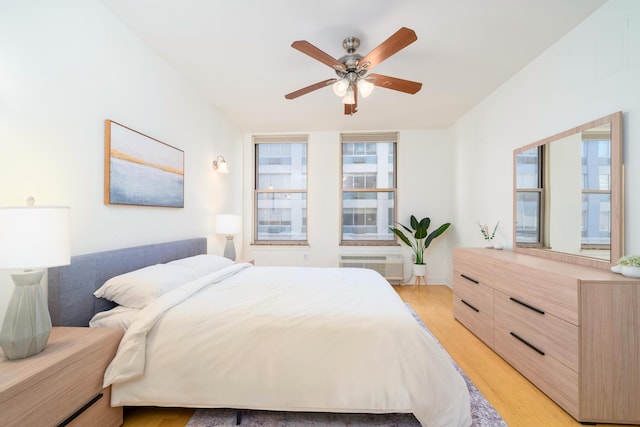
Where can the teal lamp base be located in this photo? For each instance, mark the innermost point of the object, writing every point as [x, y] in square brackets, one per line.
[27, 324]
[229, 249]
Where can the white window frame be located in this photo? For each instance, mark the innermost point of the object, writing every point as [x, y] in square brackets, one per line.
[387, 137]
[278, 139]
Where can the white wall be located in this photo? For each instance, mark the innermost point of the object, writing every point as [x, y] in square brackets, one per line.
[591, 72]
[425, 165]
[564, 192]
[65, 67]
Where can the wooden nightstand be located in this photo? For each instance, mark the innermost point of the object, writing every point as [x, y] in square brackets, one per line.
[63, 384]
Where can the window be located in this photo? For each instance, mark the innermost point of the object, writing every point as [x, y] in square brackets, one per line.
[596, 191]
[280, 189]
[529, 196]
[368, 189]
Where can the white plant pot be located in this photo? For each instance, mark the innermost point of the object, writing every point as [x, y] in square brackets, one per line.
[420, 270]
[630, 271]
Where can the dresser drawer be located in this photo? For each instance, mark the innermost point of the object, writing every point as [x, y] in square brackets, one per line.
[473, 292]
[476, 265]
[100, 413]
[64, 389]
[555, 379]
[550, 292]
[475, 320]
[555, 337]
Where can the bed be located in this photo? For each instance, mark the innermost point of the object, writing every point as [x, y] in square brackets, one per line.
[250, 337]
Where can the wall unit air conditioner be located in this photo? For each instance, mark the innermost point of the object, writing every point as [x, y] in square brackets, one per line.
[389, 266]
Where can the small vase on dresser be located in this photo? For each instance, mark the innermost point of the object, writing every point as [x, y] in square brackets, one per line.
[630, 271]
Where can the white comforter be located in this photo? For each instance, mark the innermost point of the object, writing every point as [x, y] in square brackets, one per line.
[286, 338]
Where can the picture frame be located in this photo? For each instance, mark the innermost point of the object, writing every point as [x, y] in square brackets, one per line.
[140, 170]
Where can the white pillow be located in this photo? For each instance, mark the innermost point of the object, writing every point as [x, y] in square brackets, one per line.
[204, 264]
[139, 288]
[117, 317]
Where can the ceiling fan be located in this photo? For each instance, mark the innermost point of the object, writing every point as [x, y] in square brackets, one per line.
[352, 69]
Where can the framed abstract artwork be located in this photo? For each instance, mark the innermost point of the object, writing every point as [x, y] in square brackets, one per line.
[140, 170]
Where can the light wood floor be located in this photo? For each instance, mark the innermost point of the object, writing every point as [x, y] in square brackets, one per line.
[519, 402]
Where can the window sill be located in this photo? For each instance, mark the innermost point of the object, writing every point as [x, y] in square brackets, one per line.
[280, 243]
[369, 243]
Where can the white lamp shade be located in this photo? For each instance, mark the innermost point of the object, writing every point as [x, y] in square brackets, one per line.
[228, 224]
[349, 98]
[340, 87]
[33, 237]
[365, 88]
[222, 166]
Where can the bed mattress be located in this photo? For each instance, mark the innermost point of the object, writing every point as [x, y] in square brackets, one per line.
[289, 339]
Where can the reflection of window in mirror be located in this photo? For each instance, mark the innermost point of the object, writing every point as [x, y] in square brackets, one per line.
[596, 188]
[548, 175]
[568, 195]
[529, 196]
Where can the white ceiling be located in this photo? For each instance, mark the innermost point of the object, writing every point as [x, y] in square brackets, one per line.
[238, 54]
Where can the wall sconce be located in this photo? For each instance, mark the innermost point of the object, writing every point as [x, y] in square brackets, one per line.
[220, 165]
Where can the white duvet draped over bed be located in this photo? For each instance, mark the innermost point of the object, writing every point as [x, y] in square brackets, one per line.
[287, 338]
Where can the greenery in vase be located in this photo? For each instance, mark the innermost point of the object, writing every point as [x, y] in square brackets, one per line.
[484, 229]
[418, 237]
[630, 261]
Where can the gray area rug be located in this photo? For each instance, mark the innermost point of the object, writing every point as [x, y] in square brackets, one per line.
[483, 414]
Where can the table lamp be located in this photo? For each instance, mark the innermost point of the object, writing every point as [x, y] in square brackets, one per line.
[31, 238]
[229, 225]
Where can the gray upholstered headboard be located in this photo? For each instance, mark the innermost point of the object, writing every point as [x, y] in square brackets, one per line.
[71, 299]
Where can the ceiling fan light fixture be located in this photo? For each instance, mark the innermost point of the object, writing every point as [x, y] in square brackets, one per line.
[365, 88]
[340, 87]
[349, 97]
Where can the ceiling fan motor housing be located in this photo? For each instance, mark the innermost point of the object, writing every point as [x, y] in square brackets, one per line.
[351, 60]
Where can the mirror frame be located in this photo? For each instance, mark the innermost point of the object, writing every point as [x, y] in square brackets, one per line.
[617, 192]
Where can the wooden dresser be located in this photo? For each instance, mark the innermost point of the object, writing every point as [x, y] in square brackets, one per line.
[63, 384]
[573, 331]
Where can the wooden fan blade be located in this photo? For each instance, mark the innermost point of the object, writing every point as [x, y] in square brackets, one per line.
[395, 83]
[351, 109]
[398, 41]
[309, 49]
[309, 88]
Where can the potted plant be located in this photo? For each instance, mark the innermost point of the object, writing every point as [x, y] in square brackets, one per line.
[488, 236]
[418, 238]
[630, 266]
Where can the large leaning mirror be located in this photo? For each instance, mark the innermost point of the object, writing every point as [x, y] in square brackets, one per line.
[568, 195]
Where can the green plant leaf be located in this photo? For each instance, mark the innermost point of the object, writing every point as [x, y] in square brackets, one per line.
[436, 233]
[421, 233]
[401, 236]
[410, 231]
[425, 222]
[414, 222]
